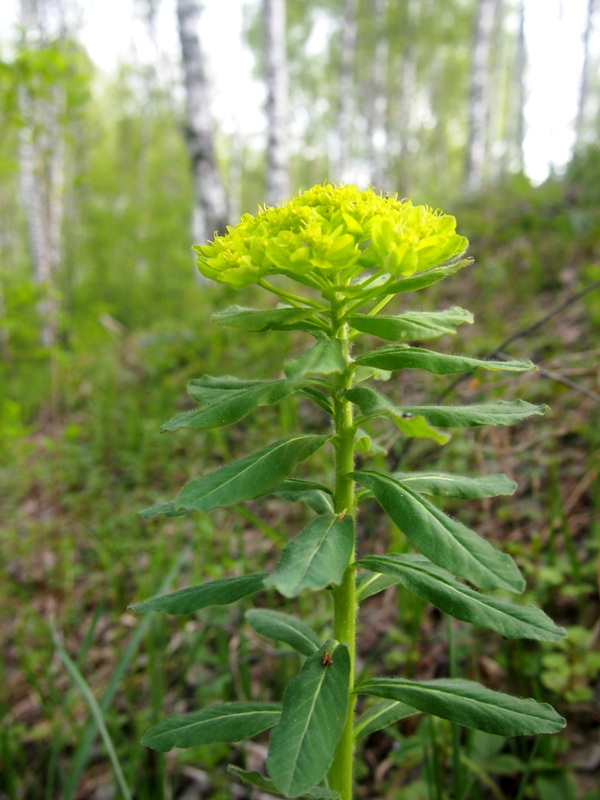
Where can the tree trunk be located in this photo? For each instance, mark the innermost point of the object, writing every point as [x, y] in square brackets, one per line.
[475, 160]
[277, 176]
[583, 86]
[210, 212]
[379, 136]
[518, 160]
[341, 134]
[41, 157]
[407, 85]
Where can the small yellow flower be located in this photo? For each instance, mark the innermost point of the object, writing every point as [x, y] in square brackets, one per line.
[332, 238]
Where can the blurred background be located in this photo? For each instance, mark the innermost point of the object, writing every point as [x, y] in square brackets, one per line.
[130, 130]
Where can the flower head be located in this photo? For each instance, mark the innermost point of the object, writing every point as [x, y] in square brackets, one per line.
[328, 237]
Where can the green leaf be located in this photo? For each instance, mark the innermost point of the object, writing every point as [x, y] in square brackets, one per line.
[223, 722]
[439, 587]
[364, 443]
[215, 593]
[445, 484]
[317, 557]
[256, 779]
[250, 477]
[402, 356]
[444, 541]
[315, 496]
[380, 716]
[413, 324]
[467, 703]
[424, 279]
[315, 706]
[231, 405]
[209, 388]
[276, 319]
[370, 584]
[168, 509]
[325, 358]
[284, 628]
[500, 412]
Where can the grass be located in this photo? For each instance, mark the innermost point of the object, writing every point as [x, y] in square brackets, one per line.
[76, 467]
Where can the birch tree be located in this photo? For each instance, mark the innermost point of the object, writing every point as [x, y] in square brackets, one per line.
[478, 96]
[41, 69]
[210, 212]
[584, 83]
[343, 126]
[277, 172]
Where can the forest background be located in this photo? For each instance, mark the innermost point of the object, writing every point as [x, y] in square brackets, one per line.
[105, 181]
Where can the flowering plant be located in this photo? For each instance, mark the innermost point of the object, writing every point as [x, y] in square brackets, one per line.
[352, 249]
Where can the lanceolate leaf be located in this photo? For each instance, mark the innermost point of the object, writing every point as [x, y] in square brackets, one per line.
[316, 558]
[424, 279]
[445, 484]
[467, 703]
[224, 722]
[284, 628]
[406, 357]
[372, 583]
[315, 706]
[316, 496]
[444, 541]
[380, 716]
[232, 405]
[276, 319]
[250, 477]
[439, 587]
[413, 324]
[256, 779]
[215, 593]
[325, 358]
[500, 412]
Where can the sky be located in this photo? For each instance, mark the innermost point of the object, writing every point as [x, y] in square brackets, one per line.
[554, 31]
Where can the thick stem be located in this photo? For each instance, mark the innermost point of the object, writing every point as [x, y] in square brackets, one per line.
[344, 596]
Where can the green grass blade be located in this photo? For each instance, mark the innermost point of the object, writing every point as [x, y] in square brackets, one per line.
[86, 741]
[95, 711]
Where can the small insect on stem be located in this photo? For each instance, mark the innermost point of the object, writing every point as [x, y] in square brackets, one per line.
[327, 660]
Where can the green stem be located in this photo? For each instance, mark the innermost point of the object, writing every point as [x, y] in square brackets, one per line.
[344, 596]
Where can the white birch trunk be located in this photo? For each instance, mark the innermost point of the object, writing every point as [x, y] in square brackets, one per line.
[583, 86]
[407, 85]
[342, 133]
[210, 212]
[277, 177]
[379, 137]
[475, 168]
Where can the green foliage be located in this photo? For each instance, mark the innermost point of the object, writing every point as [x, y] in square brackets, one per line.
[352, 250]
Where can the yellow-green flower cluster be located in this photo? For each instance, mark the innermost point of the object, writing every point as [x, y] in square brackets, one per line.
[329, 235]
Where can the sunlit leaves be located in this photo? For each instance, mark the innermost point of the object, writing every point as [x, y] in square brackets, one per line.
[394, 357]
[228, 400]
[250, 477]
[500, 412]
[412, 324]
